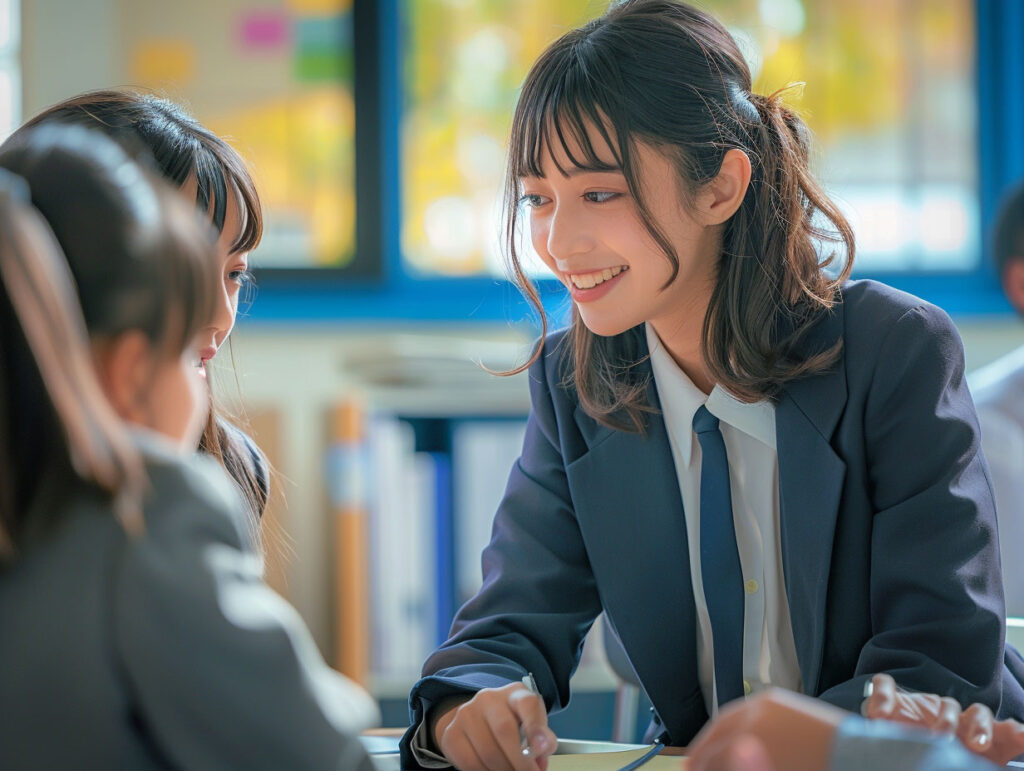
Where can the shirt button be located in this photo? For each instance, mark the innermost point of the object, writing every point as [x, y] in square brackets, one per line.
[751, 586]
[746, 688]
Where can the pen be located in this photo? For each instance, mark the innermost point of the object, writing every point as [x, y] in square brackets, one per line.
[531, 686]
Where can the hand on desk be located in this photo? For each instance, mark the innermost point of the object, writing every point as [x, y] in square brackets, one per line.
[483, 732]
[999, 741]
[775, 730]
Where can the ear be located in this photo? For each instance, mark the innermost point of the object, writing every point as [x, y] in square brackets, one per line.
[124, 365]
[1013, 283]
[719, 199]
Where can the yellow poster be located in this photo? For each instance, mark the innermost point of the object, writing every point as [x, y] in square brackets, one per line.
[319, 7]
[159, 62]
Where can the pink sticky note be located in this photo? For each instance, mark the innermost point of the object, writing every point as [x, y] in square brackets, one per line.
[264, 30]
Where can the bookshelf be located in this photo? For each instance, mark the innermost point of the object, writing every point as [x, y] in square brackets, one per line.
[424, 396]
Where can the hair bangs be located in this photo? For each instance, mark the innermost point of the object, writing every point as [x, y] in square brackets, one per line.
[221, 177]
[556, 116]
[211, 189]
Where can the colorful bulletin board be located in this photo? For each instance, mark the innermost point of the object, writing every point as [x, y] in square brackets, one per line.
[275, 78]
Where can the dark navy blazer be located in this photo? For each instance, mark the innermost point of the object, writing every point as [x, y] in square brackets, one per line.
[888, 533]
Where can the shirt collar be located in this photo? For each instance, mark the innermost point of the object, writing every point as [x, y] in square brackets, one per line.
[680, 399]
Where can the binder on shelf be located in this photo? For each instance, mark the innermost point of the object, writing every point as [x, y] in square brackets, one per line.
[406, 489]
[483, 453]
[346, 473]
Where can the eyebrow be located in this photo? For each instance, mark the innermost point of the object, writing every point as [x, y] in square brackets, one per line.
[575, 171]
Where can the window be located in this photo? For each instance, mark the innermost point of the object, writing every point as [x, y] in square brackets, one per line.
[890, 97]
[10, 72]
[464, 62]
[276, 79]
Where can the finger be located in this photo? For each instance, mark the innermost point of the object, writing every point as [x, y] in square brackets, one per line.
[1007, 742]
[533, 717]
[947, 716]
[917, 708]
[503, 725]
[881, 697]
[975, 728]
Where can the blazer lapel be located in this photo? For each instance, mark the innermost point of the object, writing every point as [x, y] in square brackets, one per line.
[626, 494]
[810, 485]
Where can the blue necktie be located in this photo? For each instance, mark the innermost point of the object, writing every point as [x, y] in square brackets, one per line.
[720, 559]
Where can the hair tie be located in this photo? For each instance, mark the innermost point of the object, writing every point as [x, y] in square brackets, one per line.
[743, 104]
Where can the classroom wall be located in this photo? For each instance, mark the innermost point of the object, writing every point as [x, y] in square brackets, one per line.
[67, 47]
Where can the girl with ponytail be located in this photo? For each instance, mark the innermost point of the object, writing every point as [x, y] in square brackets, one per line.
[136, 632]
[761, 472]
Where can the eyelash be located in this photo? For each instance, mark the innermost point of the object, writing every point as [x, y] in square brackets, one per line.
[530, 200]
[241, 277]
[608, 196]
[533, 200]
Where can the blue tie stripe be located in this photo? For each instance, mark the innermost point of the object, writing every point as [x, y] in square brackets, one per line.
[719, 559]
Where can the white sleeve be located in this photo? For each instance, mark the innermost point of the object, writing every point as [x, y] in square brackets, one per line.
[1002, 440]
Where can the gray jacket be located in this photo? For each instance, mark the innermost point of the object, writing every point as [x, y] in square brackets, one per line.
[164, 649]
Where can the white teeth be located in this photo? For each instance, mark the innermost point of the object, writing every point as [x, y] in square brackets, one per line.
[590, 280]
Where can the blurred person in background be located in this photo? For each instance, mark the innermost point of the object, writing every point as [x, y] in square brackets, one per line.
[998, 391]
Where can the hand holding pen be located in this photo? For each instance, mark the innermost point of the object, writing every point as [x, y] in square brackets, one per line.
[499, 729]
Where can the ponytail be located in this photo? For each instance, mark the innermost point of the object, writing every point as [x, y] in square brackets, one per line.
[773, 281]
[43, 340]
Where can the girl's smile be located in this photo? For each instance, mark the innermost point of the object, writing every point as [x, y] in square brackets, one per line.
[587, 287]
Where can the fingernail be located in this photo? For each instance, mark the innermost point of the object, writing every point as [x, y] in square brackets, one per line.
[539, 744]
[981, 739]
[869, 688]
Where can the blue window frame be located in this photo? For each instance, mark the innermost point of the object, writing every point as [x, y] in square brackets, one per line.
[391, 294]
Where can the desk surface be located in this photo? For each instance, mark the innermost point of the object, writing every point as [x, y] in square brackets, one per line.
[572, 754]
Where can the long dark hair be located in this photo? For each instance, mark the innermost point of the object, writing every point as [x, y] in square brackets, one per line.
[90, 247]
[668, 75]
[182, 148]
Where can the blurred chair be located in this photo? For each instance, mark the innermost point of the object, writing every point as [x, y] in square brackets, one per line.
[627, 695]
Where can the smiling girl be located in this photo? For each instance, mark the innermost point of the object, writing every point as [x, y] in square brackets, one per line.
[210, 173]
[764, 474]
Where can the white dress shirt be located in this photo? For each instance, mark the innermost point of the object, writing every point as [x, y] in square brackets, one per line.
[769, 652]
[998, 391]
